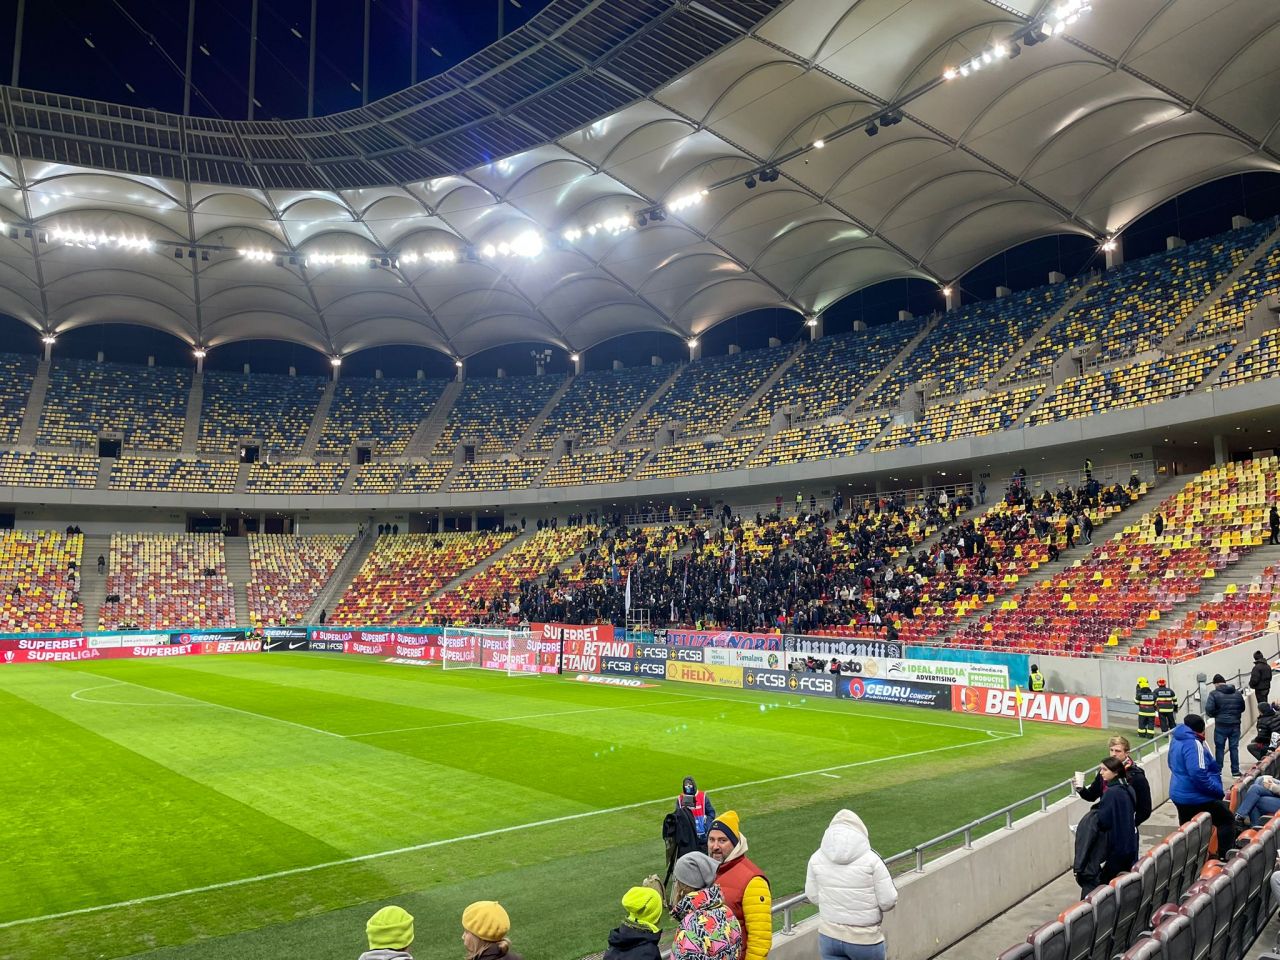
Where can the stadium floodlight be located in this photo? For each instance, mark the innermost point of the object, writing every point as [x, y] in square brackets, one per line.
[641, 218]
[199, 353]
[574, 358]
[457, 363]
[811, 322]
[683, 201]
[1108, 244]
[693, 342]
[751, 183]
[819, 144]
[258, 255]
[528, 244]
[48, 339]
[335, 361]
[871, 129]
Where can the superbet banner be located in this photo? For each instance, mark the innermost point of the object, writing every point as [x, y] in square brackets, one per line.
[74, 649]
[583, 655]
[1069, 709]
[555, 632]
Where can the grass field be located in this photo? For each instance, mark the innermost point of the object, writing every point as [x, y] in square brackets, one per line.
[263, 806]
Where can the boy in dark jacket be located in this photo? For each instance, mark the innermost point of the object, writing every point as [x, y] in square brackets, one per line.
[1134, 775]
[1268, 728]
[637, 937]
[1260, 677]
[1226, 706]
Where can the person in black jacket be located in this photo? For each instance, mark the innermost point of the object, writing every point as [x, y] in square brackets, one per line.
[637, 937]
[1225, 705]
[1107, 837]
[1260, 678]
[1268, 733]
[1134, 775]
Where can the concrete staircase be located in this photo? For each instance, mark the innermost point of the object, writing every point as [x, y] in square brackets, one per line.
[428, 432]
[1189, 322]
[532, 431]
[875, 382]
[343, 574]
[104, 474]
[35, 406]
[242, 478]
[778, 373]
[195, 400]
[1045, 394]
[93, 587]
[643, 410]
[238, 572]
[1027, 345]
[312, 439]
[521, 538]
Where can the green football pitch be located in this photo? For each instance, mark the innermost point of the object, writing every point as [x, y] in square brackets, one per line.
[261, 806]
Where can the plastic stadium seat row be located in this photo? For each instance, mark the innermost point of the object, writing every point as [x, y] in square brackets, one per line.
[598, 405]
[403, 571]
[498, 474]
[969, 345]
[16, 375]
[1227, 618]
[36, 594]
[682, 459]
[377, 477]
[296, 478]
[287, 573]
[495, 412]
[962, 418]
[424, 476]
[830, 372]
[1131, 385]
[147, 405]
[608, 466]
[47, 470]
[1258, 361]
[1229, 312]
[386, 412]
[797, 444]
[275, 410]
[172, 581]
[174, 476]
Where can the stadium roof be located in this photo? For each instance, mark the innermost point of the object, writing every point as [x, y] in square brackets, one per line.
[598, 110]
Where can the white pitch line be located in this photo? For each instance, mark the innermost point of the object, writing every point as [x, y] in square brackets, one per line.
[833, 776]
[219, 706]
[449, 841]
[121, 703]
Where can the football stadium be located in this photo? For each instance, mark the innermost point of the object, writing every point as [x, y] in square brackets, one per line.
[638, 479]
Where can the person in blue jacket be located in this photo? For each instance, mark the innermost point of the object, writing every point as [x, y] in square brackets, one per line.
[1195, 783]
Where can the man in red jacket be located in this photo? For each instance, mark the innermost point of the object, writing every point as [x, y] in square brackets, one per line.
[744, 885]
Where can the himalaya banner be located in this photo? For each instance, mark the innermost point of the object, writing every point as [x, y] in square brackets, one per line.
[722, 638]
[843, 646]
[736, 657]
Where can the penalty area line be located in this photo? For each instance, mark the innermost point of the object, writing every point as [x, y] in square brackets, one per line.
[449, 841]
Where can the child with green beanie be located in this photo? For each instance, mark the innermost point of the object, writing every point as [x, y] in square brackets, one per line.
[390, 932]
[637, 937]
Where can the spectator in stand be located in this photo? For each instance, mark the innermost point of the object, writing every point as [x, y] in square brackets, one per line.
[1275, 525]
[637, 937]
[1134, 775]
[744, 885]
[1260, 801]
[390, 933]
[708, 928]
[1195, 781]
[102, 564]
[485, 926]
[982, 491]
[1267, 736]
[1226, 707]
[852, 889]
[1159, 525]
[1260, 678]
[1116, 822]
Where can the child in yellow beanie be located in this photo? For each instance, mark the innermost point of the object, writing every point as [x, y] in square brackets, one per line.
[637, 937]
[485, 926]
[390, 932]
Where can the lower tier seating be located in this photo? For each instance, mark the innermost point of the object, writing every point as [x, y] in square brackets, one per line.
[39, 573]
[287, 573]
[167, 581]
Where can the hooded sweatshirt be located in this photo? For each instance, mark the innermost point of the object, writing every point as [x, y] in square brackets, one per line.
[849, 883]
[630, 942]
[1195, 776]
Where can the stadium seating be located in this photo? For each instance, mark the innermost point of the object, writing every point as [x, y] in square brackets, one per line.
[424, 476]
[403, 571]
[969, 345]
[147, 405]
[608, 466]
[1258, 361]
[174, 475]
[287, 573]
[507, 474]
[275, 410]
[168, 581]
[495, 412]
[1134, 307]
[708, 393]
[1130, 385]
[385, 412]
[1229, 312]
[961, 418]
[682, 459]
[830, 372]
[296, 478]
[797, 444]
[598, 404]
[16, 375]
[377, 477]
[1227, 618]
[42, 469]
[36, 594]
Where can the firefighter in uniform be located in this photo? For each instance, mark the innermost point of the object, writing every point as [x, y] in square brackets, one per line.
[1036, 679]
[1166, 705]
[1145, 698]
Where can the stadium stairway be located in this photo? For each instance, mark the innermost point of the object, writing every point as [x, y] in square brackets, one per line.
[195, 400]
[874, 383]
[343, 574]
[1052, 321]
[527, 437]
[238, 572]
[314, 431]
[35, 406]
[516, 541]
[104, 473]
[428, 432]
[778, 373]
[643, 410]
[93, 587]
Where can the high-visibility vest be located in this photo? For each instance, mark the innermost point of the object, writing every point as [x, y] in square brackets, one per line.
[1036, 681]
[1145, 698]
[1166, 700]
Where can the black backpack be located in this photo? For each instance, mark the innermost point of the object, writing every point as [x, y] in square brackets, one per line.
[680, 835]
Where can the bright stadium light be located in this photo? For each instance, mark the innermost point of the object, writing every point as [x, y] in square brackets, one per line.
[256, 254]
[48, 339]
[199, 353]
[76, 237]
[335, 361]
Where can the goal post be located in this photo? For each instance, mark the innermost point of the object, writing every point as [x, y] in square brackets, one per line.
[474, 648]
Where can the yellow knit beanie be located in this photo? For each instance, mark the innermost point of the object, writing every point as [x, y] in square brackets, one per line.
[487, 920]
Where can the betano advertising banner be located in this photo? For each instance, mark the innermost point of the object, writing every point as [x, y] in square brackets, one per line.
[583, 655]
[1069, 709]
[704, 673]
[722, 638]
[933, 696]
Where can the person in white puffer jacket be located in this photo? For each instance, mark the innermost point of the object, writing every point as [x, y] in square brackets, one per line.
[852, 888]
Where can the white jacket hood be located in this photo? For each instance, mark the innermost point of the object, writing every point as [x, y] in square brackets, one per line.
[846, 838]
[847, 880]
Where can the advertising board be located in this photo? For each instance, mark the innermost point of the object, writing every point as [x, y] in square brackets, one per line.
[583, 656]
[950, 672]
[555, 632]
[843, 646]
[722, 638]
[284, 638]
[783, 681]
[934, 696]
[737, 657]
[704, 673]
[1069, 709]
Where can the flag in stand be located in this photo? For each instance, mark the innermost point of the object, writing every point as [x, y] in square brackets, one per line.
[626, 597]
[733, 565]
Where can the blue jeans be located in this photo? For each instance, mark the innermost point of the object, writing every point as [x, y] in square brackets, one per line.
[829, 948]
[1258, 804]
[1221, 737]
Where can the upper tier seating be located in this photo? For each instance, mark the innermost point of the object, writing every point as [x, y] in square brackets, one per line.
[969, 345]
[473, 599]
[304, 478]
[377, 477]
[962, 418]
[287, 573]
[495, 412]
[403, 571]
[277, 411]
[168, 581]
[598, 404]
[796, 444]
[708, 393]
[147, 405]
[1258, 361]
[608, 466]
[1131, 385]
[16, 375]
[681, 459]
[385, 412]
[1229, 312]
[42, 469]
[1135, 306]
[36, 594]
[830, 372]
[505, 474]
[424, 476]
[174, 475]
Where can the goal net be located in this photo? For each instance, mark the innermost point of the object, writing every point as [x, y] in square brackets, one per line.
[514, 651]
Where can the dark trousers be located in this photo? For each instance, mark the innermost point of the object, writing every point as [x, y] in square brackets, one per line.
[1220, 814]
[1146, 725]
[1166, 721]
[1258, 749]
[1263, 694]
[1226, 741]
